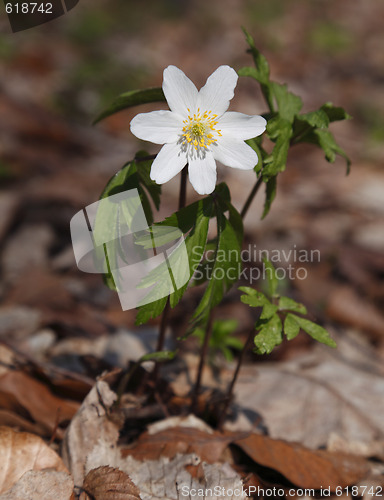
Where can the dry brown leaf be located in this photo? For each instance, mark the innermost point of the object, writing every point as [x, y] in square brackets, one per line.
[291, 397]
[303, 467]
[88, 427]
[107, 483]
[22, 394]
[347, 307]
[22, 452]
[41, 485]
[17, 422]
[208, 446]
[166, 479]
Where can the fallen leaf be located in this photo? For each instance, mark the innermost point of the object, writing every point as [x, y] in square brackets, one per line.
[89, 426]
[29, 397]
[184, 440]
[107, 483]
[308, 398]
[41, 485]
[167, 479]
[347, 307]
[303, 467]
[22, 452]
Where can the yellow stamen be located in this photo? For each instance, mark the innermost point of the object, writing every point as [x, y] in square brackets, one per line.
[198, 128]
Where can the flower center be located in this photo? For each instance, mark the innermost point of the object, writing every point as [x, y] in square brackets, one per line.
[199, 131]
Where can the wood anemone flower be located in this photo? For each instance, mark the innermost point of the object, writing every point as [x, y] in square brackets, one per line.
[198, 129]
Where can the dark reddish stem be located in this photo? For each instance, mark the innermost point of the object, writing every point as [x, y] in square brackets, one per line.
[165, 315]
[203, 357]
[229, 395]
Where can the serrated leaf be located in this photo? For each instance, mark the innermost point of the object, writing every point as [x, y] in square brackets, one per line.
[194, 220]
[288, 103]
[335, 113]
[272, 279]
[132, 98]
[280, 131]
[326, 141]
[315, 331]
[253, 298]
[316, 119]
[261, 71]
[291, 327]
[151, 310]
[268, 311]
[255, 146]
[269, 336]
[226, 269]
[288, 304]
[261, 63]
[109, 219]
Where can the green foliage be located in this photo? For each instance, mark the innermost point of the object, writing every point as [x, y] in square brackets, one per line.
[279, 315]
[221, 339]
[159, 357]
[286, 126]
[193, 222]
[132, 98]
[134, 174]
[225, 266]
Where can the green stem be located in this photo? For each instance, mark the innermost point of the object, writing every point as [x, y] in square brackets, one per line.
[251, 196]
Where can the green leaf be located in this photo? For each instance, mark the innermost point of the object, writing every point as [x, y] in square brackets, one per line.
[272, 279]
[268, 311]
[260, 72]
[269, 336]
[132, 98]
[288, 304]
[335, 113]
[110, 220]
[279, 130]
[159, 357]
[270, 194]
[261, 63]
[227, 261]
[256, 147]
[315, 331]
[325, 139]
[316, 119]
[253, 298]
[193, 221]
[291, 327]
[289, 104]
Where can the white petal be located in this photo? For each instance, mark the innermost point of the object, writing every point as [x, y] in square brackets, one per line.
[240, 126]
[234, 153]
[168, 163]
[218, 91]
[202, 174]
[157, 126]
[179, 91]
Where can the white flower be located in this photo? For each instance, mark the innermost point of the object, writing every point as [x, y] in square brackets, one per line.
[198, 130]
